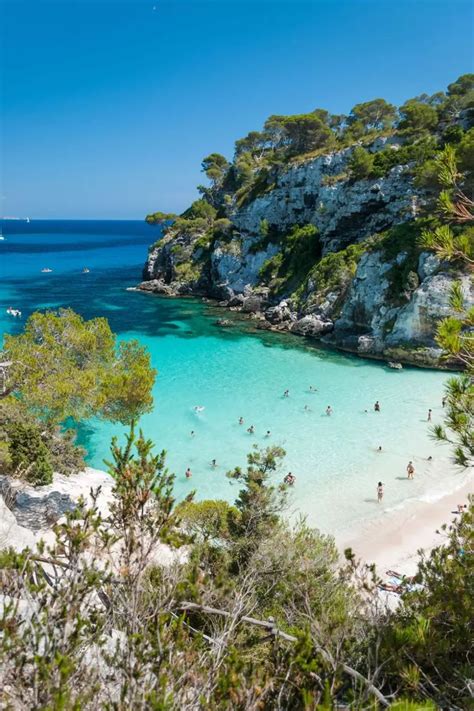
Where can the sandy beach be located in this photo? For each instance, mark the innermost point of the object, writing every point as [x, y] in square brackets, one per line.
[393, 539]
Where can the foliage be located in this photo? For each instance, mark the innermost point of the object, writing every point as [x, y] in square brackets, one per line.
[417, 117]
[300, 249]
[66, 367]
[207, 520]
[158, 218]
[215, 167]
[29, 454]
[361, 163]
[375, 114]
[430, 637]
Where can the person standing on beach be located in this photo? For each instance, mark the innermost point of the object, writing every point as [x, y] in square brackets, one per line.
[429, 415]
[410, 470]
[379, 492]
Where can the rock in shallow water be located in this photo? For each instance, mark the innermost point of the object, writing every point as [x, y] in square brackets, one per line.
[312, 325]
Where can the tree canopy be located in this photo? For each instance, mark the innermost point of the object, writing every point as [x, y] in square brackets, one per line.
[63, 366]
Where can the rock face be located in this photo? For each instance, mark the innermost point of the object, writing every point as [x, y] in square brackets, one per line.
[382, 304]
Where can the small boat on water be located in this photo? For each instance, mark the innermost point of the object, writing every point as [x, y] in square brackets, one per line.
[14, 312]
[85, 270]
[46, 270]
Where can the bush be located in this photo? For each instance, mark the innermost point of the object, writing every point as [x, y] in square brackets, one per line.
[361, 163]
[29, 453]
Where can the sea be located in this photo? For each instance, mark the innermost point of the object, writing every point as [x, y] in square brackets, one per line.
[232, 373]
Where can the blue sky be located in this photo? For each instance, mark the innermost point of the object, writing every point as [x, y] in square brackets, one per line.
[109, 106]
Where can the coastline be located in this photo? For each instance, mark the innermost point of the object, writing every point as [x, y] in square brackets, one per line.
[426, 358]
[393, 539]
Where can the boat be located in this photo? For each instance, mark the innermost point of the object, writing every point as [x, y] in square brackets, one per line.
[14, 312]
[46, 270]
[85, 270]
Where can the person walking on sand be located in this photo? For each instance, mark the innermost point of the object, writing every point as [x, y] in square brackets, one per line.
[410, 470]
[429, 415]
[379, 492]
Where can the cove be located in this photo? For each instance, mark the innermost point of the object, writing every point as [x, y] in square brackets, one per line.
[234, 374]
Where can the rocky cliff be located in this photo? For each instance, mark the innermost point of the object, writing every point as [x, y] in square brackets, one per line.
[315, 249]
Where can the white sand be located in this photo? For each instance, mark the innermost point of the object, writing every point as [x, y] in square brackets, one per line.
[393, 539]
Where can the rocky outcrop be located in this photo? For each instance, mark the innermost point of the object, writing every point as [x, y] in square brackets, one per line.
[382, 304]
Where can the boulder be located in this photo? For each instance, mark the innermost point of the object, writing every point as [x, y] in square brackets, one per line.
[278, 314]
[223, 322]
[253, 303]
[156, 286]
[312, 325]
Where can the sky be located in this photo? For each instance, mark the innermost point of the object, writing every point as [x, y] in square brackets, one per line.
[109, 106]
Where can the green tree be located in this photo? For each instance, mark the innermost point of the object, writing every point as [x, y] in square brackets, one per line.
[417, 117]
[200, 209]
[158, 218]
[361, 163]
[65, 367]
[377, 114]
[215, 167]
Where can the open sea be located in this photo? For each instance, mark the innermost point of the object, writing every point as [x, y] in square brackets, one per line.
[232, 374]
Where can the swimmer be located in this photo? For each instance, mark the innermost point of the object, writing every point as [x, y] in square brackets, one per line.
[199, 408]
[312, 390]
[306, 408]
[268, 433]
[430, 458]
[289, 479]
[444, 401]
[379, 448]
[329, 410]
[379, 492]
[251, 429]
[286, 393]
[377, 406]
[192, 433]
[429, 415]
[241, 420]
[410, 470]
[214, 463]
[188, 473]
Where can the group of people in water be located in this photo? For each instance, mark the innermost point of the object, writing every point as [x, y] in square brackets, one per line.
[289, 478]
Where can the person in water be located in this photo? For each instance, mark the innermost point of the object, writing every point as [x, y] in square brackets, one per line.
[377, 406]
[268, 433]
[251, 429]
[329, 410]
[289, 479]
[444, 401]
[188, 473]
[214, 463]
[286, 393]
[379, 492]
[241, 420]
[380, 448]
[410, 470]
[429, 415]
[192, 433]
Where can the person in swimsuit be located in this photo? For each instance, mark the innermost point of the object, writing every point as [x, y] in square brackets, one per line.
[377, 406]
[251, 429]
[214, 463]
[329, 410]
[289, 479]
[241, 420]
[192, 433]
[380, 448]
[429, 415]
[188, 473]
[268, 433]
[379, 492]
[410, 470]
[286, 393]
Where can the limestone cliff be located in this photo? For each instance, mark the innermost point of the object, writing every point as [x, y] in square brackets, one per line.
[317, 251]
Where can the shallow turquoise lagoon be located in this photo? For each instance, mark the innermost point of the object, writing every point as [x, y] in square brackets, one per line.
[233, 374]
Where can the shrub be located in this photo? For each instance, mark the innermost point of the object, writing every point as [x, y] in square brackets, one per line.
[29, 454]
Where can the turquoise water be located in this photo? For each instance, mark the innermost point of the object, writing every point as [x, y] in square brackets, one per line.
[233, 374]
